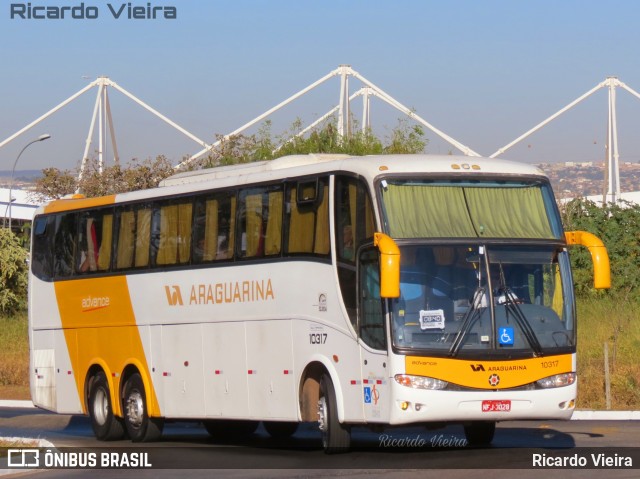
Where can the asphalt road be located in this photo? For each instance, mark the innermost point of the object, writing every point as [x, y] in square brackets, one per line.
[406, 452]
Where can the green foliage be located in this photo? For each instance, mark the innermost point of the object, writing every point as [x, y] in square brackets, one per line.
[261, 146]
[406, 139]
[618, 226]
[324, 139]
[136, 175]
[13, 273]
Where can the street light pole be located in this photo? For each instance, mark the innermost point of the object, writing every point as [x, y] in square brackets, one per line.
[4, 218]
[46, 136]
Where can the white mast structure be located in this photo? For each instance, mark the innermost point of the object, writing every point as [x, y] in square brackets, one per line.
[102, 112]
[343, 111]
[612, 175]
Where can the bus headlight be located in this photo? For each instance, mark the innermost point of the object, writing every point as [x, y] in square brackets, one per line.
[420, 382]
[557, 381]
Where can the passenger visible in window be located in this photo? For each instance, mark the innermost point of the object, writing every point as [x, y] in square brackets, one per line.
[223, 248]
[89, 257]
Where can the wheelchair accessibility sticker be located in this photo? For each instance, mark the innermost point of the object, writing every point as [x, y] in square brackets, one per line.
[371, 395]
[367, 395]
[505, 336]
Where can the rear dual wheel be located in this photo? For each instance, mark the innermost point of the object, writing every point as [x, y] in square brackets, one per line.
[140, 426]
[106, 426]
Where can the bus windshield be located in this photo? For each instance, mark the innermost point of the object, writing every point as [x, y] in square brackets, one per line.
[426, 208]
[458, 300]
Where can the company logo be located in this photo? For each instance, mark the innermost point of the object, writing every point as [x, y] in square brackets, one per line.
[174, 297]
[91, 303]
[216, 293]
[477, 367]
[494, 380]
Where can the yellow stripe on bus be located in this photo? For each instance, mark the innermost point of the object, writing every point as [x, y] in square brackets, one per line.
[76, 204]
[481, 374]
[100, 329]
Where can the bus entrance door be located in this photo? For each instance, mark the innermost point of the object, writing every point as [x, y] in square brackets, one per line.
[373, 340]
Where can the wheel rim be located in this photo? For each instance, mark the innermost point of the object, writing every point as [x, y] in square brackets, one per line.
[135, 409]
[323, 420]
[101, 406]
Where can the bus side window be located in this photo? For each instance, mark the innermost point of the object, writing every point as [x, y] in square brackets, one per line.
[260, 222]
[126, 238]
[94, 241]
[41, 261]
[64, 244]
[308, 222]
[174, 246]
[143, 236]
[354, 225]
[212, 231]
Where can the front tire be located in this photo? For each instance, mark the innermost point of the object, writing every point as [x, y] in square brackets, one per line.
[336, 437]
[140, 426]
[106, 426]
[480, 433]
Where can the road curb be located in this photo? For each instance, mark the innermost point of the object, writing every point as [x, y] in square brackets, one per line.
[15, 403]
[606, 416]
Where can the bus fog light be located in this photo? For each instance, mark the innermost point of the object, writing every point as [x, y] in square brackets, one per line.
[404, 405]
[418, 407]
[420, 382]
[557, 381]
[567, 404]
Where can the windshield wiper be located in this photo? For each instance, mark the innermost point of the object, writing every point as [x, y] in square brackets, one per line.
[514, 308]
[469, 319]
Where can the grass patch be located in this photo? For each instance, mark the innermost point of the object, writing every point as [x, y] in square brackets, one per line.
[14, 357]
[19, 443]
[615, 322]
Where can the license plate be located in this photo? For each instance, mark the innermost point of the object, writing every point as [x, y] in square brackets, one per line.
[496, 406]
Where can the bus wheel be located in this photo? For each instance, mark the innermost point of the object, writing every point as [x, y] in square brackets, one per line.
[336, 437]
[140, 426]
[480, 433]
[106, 426]
[225, 428]
[280, 429]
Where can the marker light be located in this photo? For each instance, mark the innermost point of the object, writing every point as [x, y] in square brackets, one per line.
[420, 382]
[557, 381]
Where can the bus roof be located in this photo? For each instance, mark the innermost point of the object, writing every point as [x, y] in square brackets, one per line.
[292, 166]
[368, 166]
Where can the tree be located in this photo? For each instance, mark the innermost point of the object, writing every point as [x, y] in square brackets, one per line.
[262, 146]
[13, 272]
[618, 226]
[136, 175]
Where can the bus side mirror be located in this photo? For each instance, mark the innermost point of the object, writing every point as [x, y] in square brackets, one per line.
[599, 256]
[389, 265]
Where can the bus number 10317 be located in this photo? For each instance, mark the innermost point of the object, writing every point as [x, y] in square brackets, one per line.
[317, 338]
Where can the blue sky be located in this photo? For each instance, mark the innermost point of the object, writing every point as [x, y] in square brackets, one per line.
[482, 71]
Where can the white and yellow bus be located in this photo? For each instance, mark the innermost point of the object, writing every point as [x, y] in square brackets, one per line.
[349, 291]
